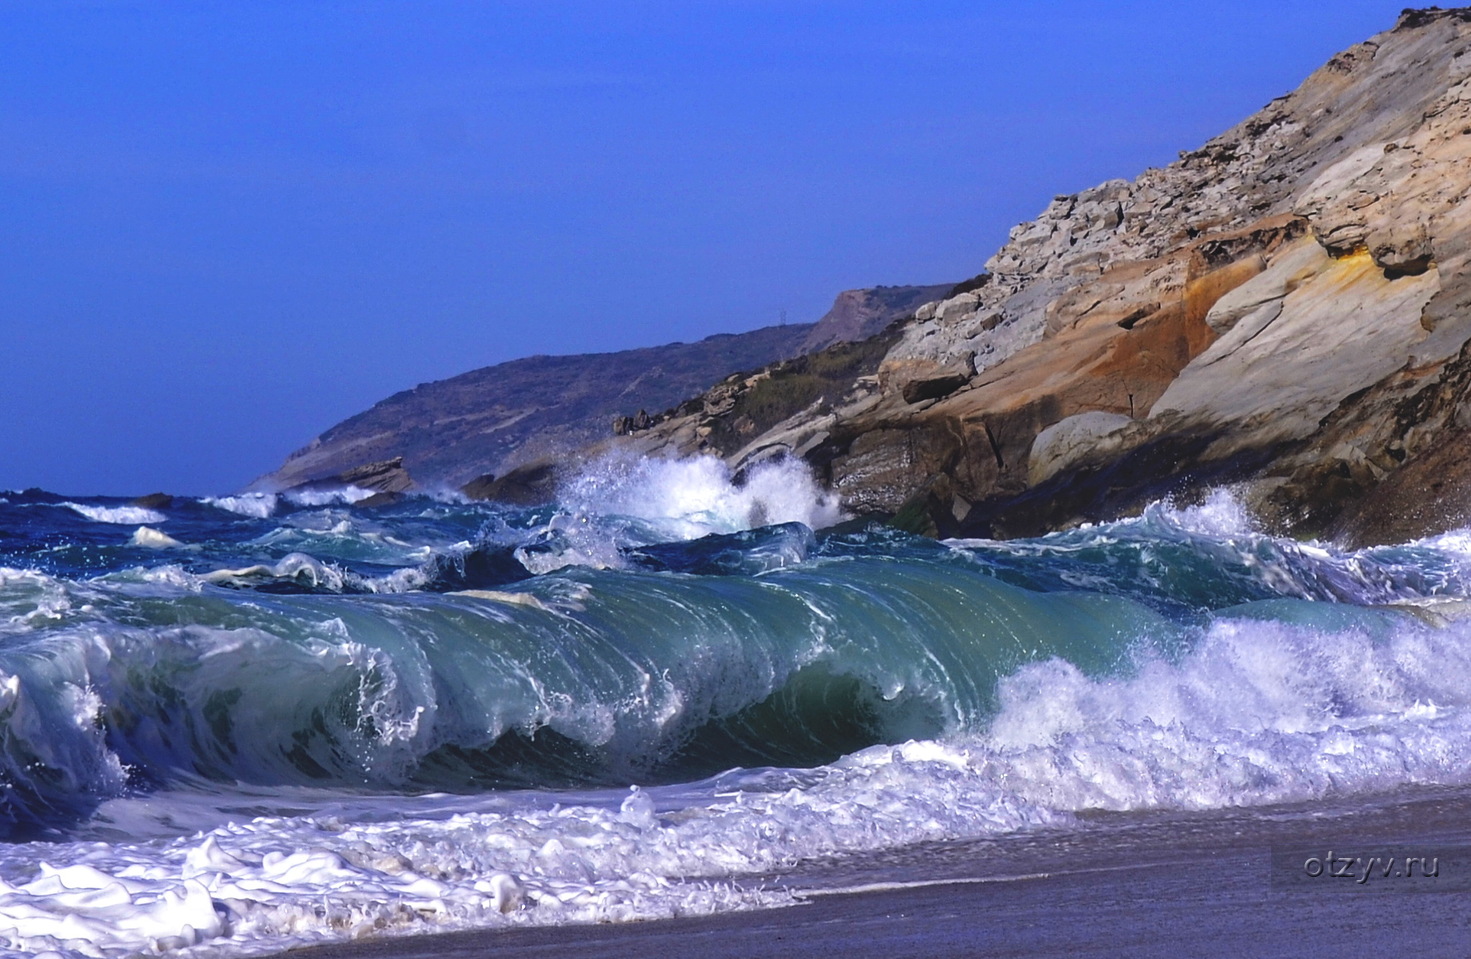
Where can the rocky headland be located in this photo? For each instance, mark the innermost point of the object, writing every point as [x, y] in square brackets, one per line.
[1287, 308]
[467, 430]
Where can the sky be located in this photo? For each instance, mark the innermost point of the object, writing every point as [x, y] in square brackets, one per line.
[226, 226]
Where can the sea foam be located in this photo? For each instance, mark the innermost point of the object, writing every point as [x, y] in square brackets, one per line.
[236, 771]
[344, 495]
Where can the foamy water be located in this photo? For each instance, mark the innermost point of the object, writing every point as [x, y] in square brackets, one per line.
[338, 723]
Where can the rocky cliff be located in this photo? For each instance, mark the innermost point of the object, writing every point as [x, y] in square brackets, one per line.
[1287, 307]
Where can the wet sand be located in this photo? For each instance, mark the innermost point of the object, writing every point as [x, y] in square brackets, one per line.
[1132, 886]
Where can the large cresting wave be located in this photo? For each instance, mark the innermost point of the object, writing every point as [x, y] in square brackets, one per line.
[310, 721]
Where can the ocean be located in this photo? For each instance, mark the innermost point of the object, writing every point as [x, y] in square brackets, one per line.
[235, 725]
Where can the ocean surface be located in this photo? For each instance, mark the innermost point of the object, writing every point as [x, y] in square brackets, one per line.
[240, 724]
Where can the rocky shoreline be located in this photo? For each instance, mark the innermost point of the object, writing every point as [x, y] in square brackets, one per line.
[1287, 308]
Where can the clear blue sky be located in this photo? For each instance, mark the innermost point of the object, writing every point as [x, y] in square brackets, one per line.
[225, 226]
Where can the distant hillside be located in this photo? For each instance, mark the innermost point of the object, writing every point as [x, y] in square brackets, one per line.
[858, 314]
[492, 419]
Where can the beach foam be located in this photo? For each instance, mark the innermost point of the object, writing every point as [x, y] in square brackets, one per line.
[1259, 713]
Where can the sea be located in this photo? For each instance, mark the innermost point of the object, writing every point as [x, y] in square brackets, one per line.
[234, 725]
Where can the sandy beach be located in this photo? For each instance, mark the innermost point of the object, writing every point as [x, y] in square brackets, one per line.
[1134, 886]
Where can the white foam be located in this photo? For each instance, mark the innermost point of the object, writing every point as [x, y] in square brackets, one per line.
[149, 538]
[328, 497]
[31, 599]
[1222, 515]
[130, 515]
[305, 569]
[1260, 712]
[689, 498]
[254, 505]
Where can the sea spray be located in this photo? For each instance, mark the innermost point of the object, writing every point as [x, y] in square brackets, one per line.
[687, 498]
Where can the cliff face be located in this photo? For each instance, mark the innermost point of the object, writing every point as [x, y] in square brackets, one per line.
[1289, 305]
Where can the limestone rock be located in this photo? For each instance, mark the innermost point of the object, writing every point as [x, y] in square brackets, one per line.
[383, 476]
[1338, 122]
[1260, 298]
[941, 382]
[1277, 375]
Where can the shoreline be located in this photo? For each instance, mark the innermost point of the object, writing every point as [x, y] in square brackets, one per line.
[1136, 886]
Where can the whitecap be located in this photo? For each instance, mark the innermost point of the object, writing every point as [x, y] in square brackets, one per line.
[130, 515]
[254, 505]
[696, 496]
[346, 495]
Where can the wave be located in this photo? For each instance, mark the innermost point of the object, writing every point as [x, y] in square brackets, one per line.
[1213, 556]
[756, 647]
[129, 515]
[253, 505]
[335, 534]
[335, 496]
[593, 678]
[379, 723]
[1257, 711]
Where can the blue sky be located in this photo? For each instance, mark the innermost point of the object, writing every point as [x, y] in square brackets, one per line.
[226, 226]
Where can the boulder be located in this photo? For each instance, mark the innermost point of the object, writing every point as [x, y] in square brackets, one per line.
[1091, 435]
[941, 382]
[533, 484]
[384, 476]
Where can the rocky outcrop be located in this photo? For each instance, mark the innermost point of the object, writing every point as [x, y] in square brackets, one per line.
[530, 484]
[1288, 306]
[385, 477]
